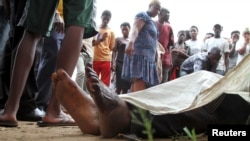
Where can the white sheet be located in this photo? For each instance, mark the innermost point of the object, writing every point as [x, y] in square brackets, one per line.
[192, 91]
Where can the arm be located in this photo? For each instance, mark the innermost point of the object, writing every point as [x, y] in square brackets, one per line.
[226, 61]
[242, 49]
[112, 41]
[232, 49]
[138, 25]
[198, 65]
[99, 40]
[114, 55]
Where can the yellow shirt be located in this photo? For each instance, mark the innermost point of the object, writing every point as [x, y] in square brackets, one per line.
[60, 8]
[103, 51]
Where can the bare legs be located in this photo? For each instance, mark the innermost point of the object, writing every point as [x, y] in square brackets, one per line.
[113, 113]
[67, 59]
[23, 62]
[137, 85]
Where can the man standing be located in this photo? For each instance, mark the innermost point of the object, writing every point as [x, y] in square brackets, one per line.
[103, 45]
[166, 38]
[243, 47]
[218, 41]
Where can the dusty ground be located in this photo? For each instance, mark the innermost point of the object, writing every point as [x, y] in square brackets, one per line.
[29, 131]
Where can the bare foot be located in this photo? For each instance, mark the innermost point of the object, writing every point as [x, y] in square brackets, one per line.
[113, 112]
[78, 103]
[54, 114]
[104, 98]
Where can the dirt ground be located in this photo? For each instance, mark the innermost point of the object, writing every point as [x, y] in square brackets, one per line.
[29, 131]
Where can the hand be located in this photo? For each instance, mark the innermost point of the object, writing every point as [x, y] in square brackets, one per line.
[113, 68]
[129, 50]
[58, 23]
[104, 36]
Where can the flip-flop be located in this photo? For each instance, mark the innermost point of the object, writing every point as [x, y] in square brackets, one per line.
[61, 123]
[8, 124]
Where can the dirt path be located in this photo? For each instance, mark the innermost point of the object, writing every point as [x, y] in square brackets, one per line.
[29, 131]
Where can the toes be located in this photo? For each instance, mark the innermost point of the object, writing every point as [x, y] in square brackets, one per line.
[90, 72]
[62, 74]
[92, 84]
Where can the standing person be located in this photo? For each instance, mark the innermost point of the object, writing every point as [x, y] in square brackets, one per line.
[166, 39]
[243, 46]
[233, 54]
[122, 85]
[78, 22]
[194, 44]
[103, 45]
[181, 44]
[218, 41]
[86, 56]
[140, 59]
[179, 53]
[28, 110]
[47, 63]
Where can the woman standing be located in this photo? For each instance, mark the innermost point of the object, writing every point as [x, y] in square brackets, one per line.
[140, 59]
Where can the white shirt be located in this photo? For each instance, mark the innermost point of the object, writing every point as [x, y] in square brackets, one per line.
[195, 46]
[223, 45]
[239, 45]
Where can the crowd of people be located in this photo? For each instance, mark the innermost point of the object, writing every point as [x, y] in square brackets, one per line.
[46, 48]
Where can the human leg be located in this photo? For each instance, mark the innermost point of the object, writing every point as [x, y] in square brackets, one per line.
[67, 58]
[28, 110]
[79, 15]
[24, 59]
[137, 85]
[106, 72]
[165, 72]
[22, 66]
[47, 66]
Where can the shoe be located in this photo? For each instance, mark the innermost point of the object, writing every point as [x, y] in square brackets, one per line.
[8, 124]
[34, 115]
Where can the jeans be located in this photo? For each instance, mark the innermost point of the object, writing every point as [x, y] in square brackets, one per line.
[46, 67]
[4, 36]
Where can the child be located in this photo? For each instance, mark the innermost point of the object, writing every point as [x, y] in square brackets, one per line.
[122, 86]
[103, 45]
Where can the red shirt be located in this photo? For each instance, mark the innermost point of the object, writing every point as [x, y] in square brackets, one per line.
[166, 38]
